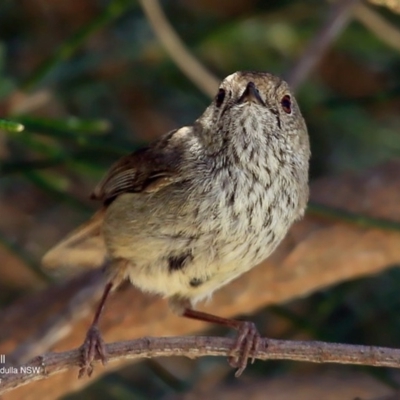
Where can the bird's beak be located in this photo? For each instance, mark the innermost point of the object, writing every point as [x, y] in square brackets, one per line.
[251, 94]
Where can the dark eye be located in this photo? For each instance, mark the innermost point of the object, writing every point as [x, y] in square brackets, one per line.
[220, 97]
[286, 103]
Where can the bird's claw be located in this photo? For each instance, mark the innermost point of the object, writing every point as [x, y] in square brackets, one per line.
[246, 346]
[92, 347]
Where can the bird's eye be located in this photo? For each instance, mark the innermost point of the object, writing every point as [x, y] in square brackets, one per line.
[286, 104]
[220, 97]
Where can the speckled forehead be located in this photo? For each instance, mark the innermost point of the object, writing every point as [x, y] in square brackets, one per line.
[263, 81]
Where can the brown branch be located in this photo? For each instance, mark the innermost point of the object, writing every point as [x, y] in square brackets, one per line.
[393, 5]
[189, 65]
[332, 27]
[194, 347]
[379, 26]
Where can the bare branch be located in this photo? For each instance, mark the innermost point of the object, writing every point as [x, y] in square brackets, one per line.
[335, 24]
[378, 25]
[393, 5]
[194, 347]
[192, 68]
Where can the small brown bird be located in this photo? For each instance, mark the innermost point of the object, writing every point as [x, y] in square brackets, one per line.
[200, 206]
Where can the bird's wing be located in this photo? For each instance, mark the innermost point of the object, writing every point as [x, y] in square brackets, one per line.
[146, 170]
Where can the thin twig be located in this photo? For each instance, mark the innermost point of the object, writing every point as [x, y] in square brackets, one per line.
[378, 25]
[333, 26]
[194, 347]
[393, 5]
[189, 65]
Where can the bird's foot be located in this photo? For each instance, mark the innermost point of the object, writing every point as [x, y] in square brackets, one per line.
[92, 348]
[246, 346]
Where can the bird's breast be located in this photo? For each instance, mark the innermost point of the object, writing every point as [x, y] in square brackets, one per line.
[221, 228]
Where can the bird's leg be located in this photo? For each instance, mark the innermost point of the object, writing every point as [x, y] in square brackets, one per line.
[94, 343]
[247, 342]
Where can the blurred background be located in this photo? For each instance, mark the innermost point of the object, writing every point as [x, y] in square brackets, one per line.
[91, 81]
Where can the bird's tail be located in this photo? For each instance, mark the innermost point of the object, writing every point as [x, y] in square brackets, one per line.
[84, 248]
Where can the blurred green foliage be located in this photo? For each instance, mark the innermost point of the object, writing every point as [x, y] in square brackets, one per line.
[111, 87]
